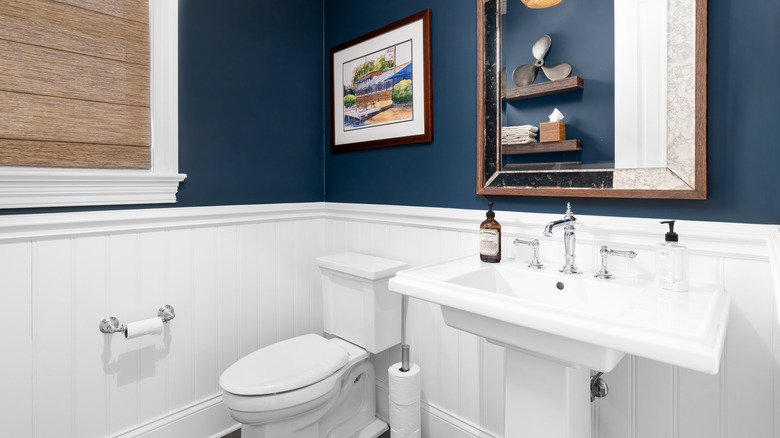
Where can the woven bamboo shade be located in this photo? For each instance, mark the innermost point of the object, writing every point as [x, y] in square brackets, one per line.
[74, 88]
[539, 4]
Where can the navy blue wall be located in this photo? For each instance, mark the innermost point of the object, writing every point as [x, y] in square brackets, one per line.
[250, 75]
[744, 108]
[250, 93]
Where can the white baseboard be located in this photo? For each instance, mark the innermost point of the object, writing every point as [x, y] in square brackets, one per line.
[208, 418]
[435, 421]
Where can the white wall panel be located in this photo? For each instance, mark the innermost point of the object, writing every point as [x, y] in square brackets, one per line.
[616, 411]
[225, 261]
[121, 355]
[269, 284]
[242, 277]
[248, 288]
[285, 280]
[179, 289]
[469, 385]
[220, 268]
[338, 235]
[52, 338]
[151, 293]
[16, 375]
[205, 312]
[450, 379]
[301, 263]
[90, 415]
[654, 399]
[776, 377]
[492, 396]
[647, 398]
[698, 404]
[316, 242]
[379, 239]
[749, 364]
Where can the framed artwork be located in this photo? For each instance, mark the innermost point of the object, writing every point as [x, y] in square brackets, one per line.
[381, 86]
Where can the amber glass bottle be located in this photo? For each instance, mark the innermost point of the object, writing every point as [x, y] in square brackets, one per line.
[490, 238]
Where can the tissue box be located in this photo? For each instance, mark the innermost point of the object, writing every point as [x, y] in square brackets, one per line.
[552, 131]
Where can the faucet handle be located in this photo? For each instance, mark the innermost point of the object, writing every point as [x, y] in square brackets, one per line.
[603, 273]
[535, 263]
[568, 212]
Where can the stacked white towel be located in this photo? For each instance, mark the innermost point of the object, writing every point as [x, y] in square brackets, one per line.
[518, 134]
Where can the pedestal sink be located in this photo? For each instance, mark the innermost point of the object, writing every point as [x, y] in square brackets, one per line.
[557, 328]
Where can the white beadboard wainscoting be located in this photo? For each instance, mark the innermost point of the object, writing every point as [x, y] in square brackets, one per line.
[238, 277]
[241, 277]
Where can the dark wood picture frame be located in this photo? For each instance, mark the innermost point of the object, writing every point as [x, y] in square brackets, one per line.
[410, 130]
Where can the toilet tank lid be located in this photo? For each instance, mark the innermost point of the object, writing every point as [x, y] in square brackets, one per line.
[284, 366]
[360, 265]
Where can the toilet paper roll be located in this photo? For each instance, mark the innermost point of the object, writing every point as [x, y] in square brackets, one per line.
[395, 434]
[404, 401]
[149, 326]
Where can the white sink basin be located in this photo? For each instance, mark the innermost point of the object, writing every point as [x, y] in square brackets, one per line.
[577, 321]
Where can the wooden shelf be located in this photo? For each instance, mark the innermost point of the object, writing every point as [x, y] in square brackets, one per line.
[540, 148]
[543, 89]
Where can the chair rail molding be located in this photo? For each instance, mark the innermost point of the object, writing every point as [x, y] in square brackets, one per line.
[748, 241]
[56, 225]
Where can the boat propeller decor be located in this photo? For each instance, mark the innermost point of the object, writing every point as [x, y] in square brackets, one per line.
[526, 73]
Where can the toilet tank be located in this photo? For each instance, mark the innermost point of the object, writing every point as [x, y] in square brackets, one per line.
[358, 305]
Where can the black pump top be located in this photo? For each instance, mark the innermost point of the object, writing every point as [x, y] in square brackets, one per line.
[490, 213]
[671, 236]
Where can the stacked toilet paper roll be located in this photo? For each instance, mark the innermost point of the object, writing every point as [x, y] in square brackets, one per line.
[404, 401]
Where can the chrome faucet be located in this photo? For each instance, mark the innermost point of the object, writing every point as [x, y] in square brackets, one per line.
[569, 239]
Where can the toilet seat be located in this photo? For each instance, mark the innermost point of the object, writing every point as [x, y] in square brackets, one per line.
[271, 404]
[286, 374]
[284, 366]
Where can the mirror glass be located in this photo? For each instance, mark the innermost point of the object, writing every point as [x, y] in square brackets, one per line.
[633, 105]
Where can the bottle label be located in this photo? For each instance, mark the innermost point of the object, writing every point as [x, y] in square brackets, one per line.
[665, 269]
[488, 242]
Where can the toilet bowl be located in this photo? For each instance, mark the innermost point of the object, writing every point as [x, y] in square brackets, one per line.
[312, 387]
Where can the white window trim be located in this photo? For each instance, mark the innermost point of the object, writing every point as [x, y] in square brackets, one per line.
[23, 187]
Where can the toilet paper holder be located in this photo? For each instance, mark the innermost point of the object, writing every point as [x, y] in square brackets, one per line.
[111, 324]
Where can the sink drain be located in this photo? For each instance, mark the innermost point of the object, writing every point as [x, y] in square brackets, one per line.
[559, 285]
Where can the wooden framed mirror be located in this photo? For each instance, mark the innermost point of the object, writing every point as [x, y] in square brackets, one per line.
[681, 172]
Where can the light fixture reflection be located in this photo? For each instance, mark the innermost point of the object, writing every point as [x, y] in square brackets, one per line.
[539, 4]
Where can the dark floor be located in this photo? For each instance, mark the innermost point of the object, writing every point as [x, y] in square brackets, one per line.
[237, 434]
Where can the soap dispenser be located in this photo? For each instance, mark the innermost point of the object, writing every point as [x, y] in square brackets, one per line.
[490, 238]
[672, 262]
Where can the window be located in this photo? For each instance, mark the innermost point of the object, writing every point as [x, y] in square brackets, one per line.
[152, 179]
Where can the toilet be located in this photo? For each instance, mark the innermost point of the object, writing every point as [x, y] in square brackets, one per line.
[314, 386]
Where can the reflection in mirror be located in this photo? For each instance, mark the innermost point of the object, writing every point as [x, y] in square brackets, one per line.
[640, 83]
[635, 103]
